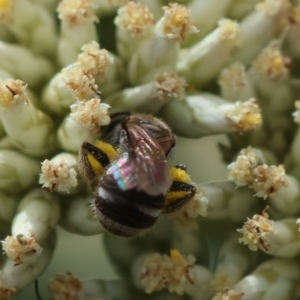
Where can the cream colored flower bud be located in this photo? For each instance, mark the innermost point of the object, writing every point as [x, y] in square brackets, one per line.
[235, 83]
[83, 124]
[286, 200]
[250, 170]
[203, 61]
[60, 173]
[176, 23]
[150, 97]
[279, 238]
[159, 52]
[226, 201]
[77, 28]
[241, 8]
[14, 278]
[38, 213]
[17, 171]
[28, 128]
[64, 286]
[80, 82]
[232, 263]
[31, 68]
[176, 273]
[134, 21]
[259, 27]
[94, 60]
[276, 278]
[32, 25]
[205, 114]
[206, 14]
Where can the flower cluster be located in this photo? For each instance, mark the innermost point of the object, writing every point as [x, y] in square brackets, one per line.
[212, 67]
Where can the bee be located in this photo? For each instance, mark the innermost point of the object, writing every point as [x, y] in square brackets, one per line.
[130, 175]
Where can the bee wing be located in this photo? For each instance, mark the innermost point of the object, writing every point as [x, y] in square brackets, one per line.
[143, 165]
[148, 162]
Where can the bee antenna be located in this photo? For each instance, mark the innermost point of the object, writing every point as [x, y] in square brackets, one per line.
[36, 288]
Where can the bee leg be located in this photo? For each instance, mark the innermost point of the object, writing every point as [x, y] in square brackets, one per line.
[93, 159]
[111, 131]
[181, 190]
[181, 166]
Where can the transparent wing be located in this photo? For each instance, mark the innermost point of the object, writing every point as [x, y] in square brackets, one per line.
[149, 163]
[143, 166]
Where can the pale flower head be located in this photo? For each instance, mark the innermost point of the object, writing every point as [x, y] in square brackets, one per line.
[163, 271]
[91, 114]
[13, 92]
[245, 116]
[135, 18]
[21, 249]
[65, 286]
[176, 23]
[169, 85]
[80, 82]
[272, 63]
[94, 60]
[75, 12]
[256, 230]
[58, 176]
[233, 77]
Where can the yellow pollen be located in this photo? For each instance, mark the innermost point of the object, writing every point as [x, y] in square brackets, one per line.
[297, 14]
[135, 16]
[175, 255]
[74, 4]
[4, 4]
[178, 18]
[6, 98]
[277, 63]
[253, 119]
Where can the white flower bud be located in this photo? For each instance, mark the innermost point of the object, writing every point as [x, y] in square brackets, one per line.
[32, 25]
[17, 171]
[176, 273]
[226, 201]
[279, 238]
[150, 97]
[233, 262]
[203, 61]
[274, 279]
[14, 278]
[28, 128]
[134, 22]
[38, 213]
[205, 114]
[60, 173]
[235, 83]
[83, 124]
[77, 28]
[206, 14]
[259, 27]
[240, 8]
[31, 68]
[158, 52]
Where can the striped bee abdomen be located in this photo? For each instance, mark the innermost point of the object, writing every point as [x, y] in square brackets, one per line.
[126, 213]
